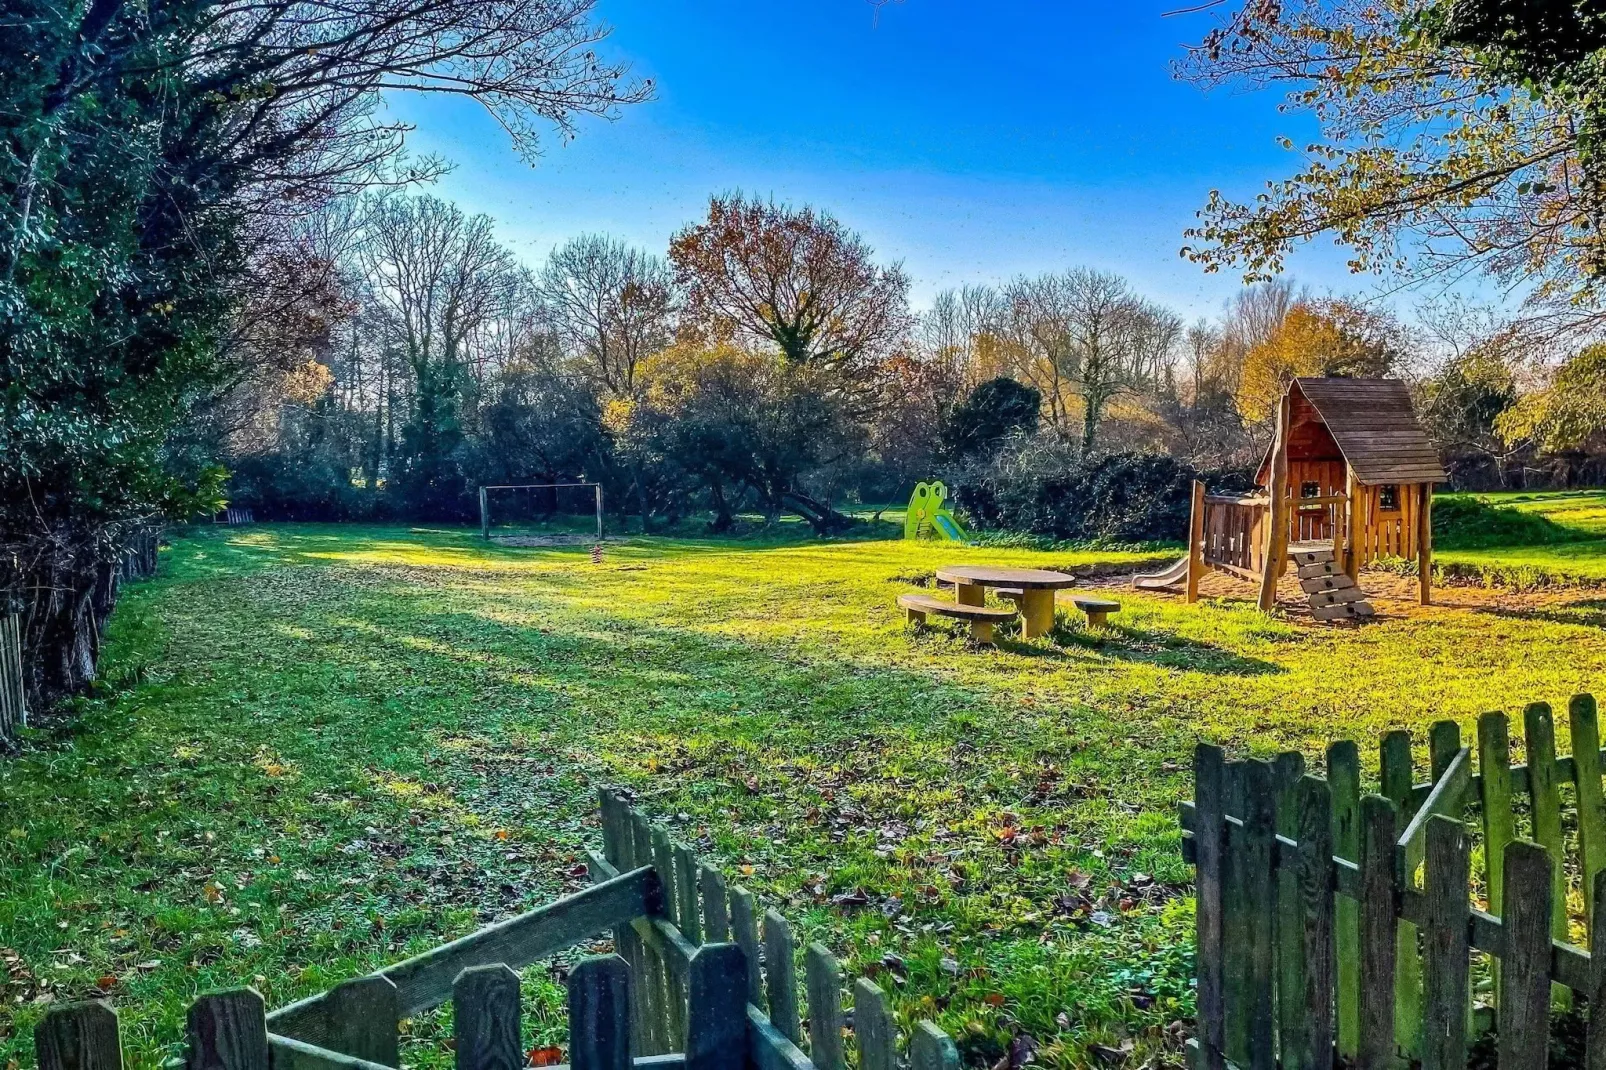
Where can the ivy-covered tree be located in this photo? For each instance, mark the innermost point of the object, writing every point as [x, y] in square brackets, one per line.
[149, 154]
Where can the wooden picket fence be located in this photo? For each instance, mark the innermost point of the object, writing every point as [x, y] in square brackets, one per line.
[691, 985]
[13, 688]
[1338, 928]
[234, 517]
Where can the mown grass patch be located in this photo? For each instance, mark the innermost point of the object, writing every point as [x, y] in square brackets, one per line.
[319, 749]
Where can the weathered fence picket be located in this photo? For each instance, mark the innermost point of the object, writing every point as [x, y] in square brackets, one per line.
[1363, 902]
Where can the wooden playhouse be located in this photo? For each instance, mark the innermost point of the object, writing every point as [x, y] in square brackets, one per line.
[1348, 480]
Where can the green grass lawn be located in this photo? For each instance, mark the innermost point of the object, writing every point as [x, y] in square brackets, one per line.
[320, 749]
[1581, 512]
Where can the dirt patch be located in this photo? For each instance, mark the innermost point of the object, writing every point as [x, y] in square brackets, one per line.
[1394, 596]
[546, 540]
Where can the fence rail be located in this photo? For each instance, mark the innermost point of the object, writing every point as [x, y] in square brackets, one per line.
[692, 985]
[1334, 924]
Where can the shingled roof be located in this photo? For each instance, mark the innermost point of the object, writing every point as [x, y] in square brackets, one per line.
[1376, 429]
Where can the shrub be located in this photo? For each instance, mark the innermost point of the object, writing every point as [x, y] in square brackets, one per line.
[1043, 488]
[988, 417]
[1467, 523]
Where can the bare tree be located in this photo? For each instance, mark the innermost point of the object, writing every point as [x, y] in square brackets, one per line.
[1084, 339]
[612, 305]
[953, 333]
[765, 273]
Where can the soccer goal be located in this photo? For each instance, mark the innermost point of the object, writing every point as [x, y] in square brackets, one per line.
[542, 514]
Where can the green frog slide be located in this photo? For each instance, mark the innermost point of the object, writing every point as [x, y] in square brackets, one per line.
[1169, 576]
[928, 516]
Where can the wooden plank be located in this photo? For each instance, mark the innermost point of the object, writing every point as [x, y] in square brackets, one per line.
[1209, 838]
[673, 1006]
[1397, 779]
[288, 1053]
[767, 1049]
[716, 904]
[1253, 881]
[1378, 933]
[1277, 530]
[1544, 797]
[1292, 1020]
[1524, 1014]
[1499, 824]
[1344, 782]
[1337, 596]
[655, 993]
[599, 1016]
[1584, 723]
[619, 846]
[780, 973]
[1311, 1047]
[1446, 799]
[716, 1023]
[227, 1031]
[1444, 1026]
[1344, 611]
[744, 931]
[79, 1036]
[1196, 516]
[824, 982]
[872, 1025]
[1595, 1035]
[1333, 580]
[1424, 545]
[688, 916]
[363, 1017]
[932, 1049]
[487, 1018]
[425, 980]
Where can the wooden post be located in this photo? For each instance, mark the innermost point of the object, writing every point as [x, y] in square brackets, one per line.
[716, 905]
[716, 1021]
[932, 1049]
[1524, 1016]
[1424, 545]
[599, 1017]
[1444, 1027]
[825, 1009]
[1344, 781]
[1196, 519]
[1595, 1039]
[228, 1031]
[79, 1036]
[1209, 836]
[486, 1017]
[363, 1016]
[1313, 873]
[781, 977]
[744, 930]
[1397, 779]
[1499, 826]
[1379, 880]
[1544, 798]
[485, 516]
[1354, 523]
[873, 1026]
[1591, 807]
[1277, 520]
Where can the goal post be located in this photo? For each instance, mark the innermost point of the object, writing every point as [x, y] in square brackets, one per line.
[539, 505]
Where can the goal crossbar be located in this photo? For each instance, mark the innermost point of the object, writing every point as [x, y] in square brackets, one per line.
[485, 504]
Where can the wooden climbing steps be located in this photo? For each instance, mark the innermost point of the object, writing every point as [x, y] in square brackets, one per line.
[1331, 592]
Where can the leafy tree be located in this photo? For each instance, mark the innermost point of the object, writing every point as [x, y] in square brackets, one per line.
[990, 415]
[614, 306]
[760, 273]
[1083, 339]
[1317, 338]
[1568, 411]
[1429, 162]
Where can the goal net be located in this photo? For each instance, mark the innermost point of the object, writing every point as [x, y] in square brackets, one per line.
[542, 514]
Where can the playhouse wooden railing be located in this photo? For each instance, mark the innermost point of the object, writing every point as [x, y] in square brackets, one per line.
[1310, 911]
[692, 985]
[1234, 538]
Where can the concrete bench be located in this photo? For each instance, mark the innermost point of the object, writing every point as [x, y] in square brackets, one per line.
[1098, 610]
[981, 618]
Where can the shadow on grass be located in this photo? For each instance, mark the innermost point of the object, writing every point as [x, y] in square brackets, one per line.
[1588, 613]
[1139, 645]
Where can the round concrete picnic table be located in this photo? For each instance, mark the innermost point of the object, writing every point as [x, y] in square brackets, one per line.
[1037, 587]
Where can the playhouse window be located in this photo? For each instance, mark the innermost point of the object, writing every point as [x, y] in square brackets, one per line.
[1388, 497]
[1310, 489]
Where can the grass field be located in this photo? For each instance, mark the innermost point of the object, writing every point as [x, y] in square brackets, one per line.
[318, 749]
[1580, 558]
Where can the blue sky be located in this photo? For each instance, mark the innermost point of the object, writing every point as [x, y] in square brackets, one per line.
[971, 139]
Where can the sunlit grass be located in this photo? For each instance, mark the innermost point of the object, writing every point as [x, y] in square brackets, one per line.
[1583, 511]
[362, 740]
